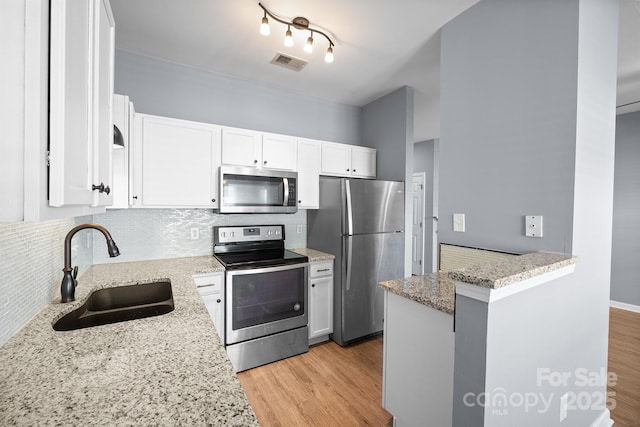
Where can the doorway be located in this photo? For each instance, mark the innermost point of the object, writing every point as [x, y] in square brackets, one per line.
[417, 228]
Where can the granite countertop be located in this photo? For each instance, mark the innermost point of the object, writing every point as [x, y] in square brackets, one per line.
[437, 290]
[498, 274]
[167, 370]
[433, 290]
[313, 254]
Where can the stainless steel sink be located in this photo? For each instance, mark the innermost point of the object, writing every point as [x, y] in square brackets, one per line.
[111, 305]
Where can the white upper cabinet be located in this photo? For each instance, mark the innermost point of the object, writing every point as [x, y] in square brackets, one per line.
[308, 173]
[176, 163]
[243, 147]
[123, 112]
[81, 91]
[279, 152]
[348, 160]
[336, 159]
[28, 71]
[363, 162]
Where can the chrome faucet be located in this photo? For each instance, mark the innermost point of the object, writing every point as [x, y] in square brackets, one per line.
[69, 282]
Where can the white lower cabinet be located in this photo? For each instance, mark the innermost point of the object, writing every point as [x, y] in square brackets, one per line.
[320, 301]
[419, 347]
[211, 289]
[176, 163]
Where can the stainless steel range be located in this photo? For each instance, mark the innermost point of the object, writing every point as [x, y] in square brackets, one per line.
[265, 295]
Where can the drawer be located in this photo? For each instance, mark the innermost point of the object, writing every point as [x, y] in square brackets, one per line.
[321, 268]
[212, 281]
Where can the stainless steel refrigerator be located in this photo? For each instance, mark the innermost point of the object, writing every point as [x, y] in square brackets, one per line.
[361, 222]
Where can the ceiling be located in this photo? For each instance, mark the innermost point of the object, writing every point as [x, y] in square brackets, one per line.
[379, 46]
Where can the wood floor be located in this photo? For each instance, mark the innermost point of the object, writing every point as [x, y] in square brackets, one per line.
[328, 386]
[334, 386]
[624, 361]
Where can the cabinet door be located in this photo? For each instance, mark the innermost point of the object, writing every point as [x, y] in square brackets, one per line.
[336, 159]
[179, 162]
[320, 306]
[103, 45]
[279, 152]
[241, 147]
[71, 154]
[211, 290]
[120, 188]
[363, 162]
[81, 87]
[308, 174]
[215, 306]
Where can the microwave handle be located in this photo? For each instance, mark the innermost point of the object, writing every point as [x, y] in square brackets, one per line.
[285, 182]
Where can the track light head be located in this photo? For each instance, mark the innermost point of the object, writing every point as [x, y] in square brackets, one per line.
[264, 27]
[329, 55]
[309, 46]
[288, 38]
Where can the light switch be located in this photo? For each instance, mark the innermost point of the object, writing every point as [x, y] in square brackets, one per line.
[458, 222]
[533, 225]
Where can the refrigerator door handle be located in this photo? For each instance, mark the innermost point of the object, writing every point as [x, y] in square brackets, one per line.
[349, 252]
[349, 210]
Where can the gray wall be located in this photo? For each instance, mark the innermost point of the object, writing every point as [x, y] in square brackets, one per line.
[425, 159]
[527, 110]
[172, 90]
[625, 276]
[504, 151]
[387, 125]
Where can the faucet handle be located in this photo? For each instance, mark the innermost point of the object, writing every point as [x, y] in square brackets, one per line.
[75, 272]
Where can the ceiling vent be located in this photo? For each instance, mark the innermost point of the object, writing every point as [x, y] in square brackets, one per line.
[290, 62]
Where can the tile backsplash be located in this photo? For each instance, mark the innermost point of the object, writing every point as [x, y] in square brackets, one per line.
[143, 234]
[32, 254]
[31, 261]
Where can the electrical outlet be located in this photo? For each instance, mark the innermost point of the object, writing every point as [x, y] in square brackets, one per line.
[458, 223]
[564, 403]
[195, 233]
[300, 229]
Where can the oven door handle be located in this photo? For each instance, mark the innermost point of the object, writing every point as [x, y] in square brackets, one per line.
[285, 196]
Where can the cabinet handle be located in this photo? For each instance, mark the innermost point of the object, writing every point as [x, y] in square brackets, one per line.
[213, 200]
[218, 300]
[255, 161]
[323, 269]
[101, 188]
[354, 170]
[347, 170]
[135, 197]
[313, 285]
[299, 202]
[265, 162]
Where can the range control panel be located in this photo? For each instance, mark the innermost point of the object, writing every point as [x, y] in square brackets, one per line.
[237, 234]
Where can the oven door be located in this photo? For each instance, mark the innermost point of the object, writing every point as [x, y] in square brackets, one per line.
[265, 301]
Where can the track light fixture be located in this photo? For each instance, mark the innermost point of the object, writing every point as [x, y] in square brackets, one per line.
[299, 23]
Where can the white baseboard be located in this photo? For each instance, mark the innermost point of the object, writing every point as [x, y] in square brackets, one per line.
[604, 420]
[625, 306]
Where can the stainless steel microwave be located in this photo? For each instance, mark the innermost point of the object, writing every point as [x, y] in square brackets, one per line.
[251, 190]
